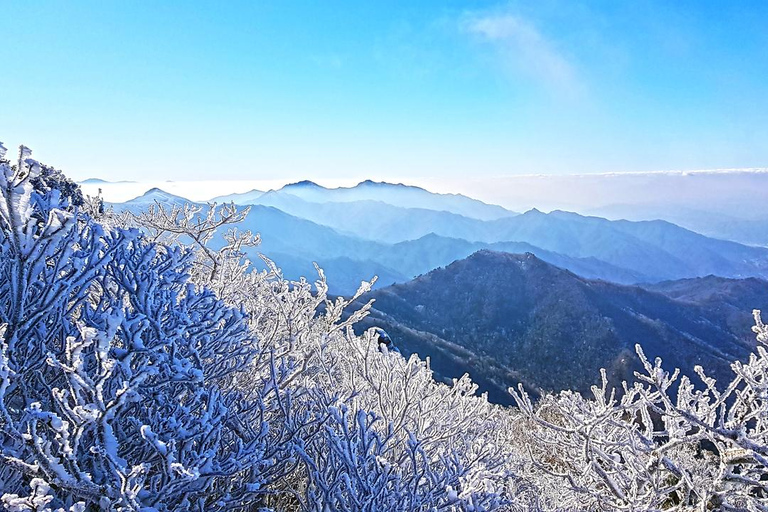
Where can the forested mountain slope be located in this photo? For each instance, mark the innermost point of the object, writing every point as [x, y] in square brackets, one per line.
[505, 318]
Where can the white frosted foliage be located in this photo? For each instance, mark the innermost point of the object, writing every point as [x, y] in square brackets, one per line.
[146, 366]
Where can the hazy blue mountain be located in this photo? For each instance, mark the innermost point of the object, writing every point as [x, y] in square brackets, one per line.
[305, 241]
[431, 251]
[736, 193]
[657, 249]
[749, 231]
[150, 197]
[374, 220]
[507, 318]
[398, 195]
[620, 251]
[706, 255]
[250, 197]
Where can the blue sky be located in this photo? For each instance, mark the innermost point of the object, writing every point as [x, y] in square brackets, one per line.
[384, 90]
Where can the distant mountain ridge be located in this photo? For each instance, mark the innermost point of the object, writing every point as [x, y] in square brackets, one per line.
[725, 204]
[240, 198]
[507, 318]
[400, 243]
[400, 195]
[749, 231]
[97, 181]
[372, 219]
[657, 249]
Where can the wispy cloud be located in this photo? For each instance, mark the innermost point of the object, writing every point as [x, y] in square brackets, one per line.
[523, 48]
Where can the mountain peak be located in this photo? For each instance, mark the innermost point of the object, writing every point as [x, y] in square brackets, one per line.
[502, 257]
[303, 184]
[510, 318]
[157, 194]
[488, 259]
[400, 195]
[371, 183]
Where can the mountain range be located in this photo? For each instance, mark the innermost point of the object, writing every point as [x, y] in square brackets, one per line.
[400, 195]
[545, 299]
[359, 238]
[727, 226]
[727, 203]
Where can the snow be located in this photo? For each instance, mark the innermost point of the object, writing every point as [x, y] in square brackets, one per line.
[144, 377]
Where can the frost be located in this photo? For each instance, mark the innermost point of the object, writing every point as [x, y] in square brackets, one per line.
[114, 371]
[145, 366]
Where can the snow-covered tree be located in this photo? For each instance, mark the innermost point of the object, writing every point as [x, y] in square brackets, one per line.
[113, 368]
[436, 436]
[665, 444]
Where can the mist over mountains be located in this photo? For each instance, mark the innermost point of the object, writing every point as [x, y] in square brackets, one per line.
[355, 237]
[736, 212]
[728, 204]
[734, 193]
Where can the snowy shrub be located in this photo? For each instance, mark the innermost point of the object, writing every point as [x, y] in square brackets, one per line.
[704, 449]
[112, 366]
[432, 435]
[130, 380]
[349, 471]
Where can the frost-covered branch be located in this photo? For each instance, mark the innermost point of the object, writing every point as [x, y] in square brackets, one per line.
[666, 444]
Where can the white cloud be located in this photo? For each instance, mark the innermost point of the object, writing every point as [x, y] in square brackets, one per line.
[523, 48]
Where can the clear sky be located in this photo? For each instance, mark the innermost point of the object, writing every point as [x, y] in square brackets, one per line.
[384, 89]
